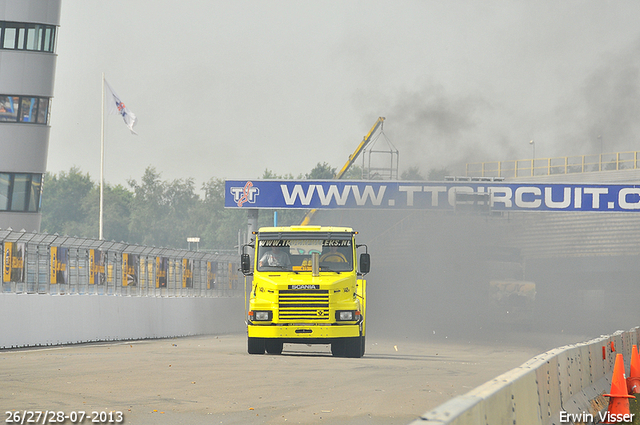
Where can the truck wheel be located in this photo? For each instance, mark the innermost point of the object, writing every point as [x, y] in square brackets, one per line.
[362, 346]
[273, 347]
[255, 345]
[354, 347]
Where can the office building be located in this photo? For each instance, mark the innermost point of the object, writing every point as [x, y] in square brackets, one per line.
[28, 32]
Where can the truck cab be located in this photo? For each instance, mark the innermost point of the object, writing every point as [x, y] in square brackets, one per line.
[307, 288]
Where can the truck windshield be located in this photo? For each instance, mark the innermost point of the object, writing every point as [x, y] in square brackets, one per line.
[295, 255]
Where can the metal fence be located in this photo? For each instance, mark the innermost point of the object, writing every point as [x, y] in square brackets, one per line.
[40, 263]
[557, 165]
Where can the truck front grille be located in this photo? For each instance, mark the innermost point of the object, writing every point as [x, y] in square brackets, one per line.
[307, 305]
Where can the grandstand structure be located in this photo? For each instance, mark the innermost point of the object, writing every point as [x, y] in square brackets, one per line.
[548, 235]
[581, 234]
[562, 165]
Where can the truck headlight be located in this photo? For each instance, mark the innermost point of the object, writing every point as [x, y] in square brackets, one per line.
[347, 315]
[261, 315]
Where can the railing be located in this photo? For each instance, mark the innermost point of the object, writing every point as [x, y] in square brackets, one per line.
[556, 165]
[40, 263]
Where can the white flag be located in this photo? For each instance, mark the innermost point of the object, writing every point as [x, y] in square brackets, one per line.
[116, 106]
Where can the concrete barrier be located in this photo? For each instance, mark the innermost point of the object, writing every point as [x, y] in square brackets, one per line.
[28, 320]
[570, 379]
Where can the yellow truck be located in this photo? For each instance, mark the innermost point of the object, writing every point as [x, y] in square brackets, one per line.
[307, 288]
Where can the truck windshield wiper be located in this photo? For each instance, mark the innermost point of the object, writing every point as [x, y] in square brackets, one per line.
[283, 268]
[328, 269]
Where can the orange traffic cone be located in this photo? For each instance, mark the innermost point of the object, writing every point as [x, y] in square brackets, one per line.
[633, 381]
[618, 410]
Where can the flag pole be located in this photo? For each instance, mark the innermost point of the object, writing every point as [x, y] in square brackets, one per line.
[102, 160]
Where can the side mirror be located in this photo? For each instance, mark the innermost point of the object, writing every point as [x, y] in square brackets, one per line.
[365, 263]
[245, 264]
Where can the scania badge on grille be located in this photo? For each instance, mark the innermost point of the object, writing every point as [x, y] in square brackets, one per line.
[304, 286]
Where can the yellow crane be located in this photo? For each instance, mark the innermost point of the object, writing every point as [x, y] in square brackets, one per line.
[350, 161]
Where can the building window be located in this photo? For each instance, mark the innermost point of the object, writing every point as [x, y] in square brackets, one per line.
[20, 192]
[27, 36]
[5, 184]
[33, 204]
[43, 110]
[9, 106]
[9, 38]
[26, 109]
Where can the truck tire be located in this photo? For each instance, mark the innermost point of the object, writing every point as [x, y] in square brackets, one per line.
[354, 347]
[255, 345]
[273, 346]
[348, 347]
[338, 348]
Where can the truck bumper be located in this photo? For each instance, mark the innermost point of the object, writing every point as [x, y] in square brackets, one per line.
[303, 332]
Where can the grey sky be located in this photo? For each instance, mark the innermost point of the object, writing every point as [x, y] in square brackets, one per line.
[226, 89]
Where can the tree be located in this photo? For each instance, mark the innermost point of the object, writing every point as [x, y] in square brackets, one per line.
[116, 215]
[154, 212]
[270, 175]
[321, 171]
[412, 173]
[117, 212]
[438, 174]
[71, 206]
[354, 172]
[64, 209]
[221, 224]
[148, 209]
[161, 212]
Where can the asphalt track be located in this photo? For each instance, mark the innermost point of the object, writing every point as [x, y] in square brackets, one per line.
[212, 380]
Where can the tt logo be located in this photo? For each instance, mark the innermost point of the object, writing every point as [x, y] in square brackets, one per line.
[244, 194]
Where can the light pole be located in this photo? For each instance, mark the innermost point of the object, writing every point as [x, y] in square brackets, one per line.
[533, 158]
[601, 145]
[601, 152]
